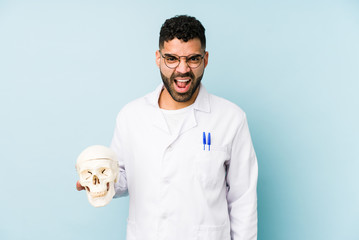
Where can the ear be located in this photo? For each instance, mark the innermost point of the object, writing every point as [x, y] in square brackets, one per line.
[205, 59]
[158, 58]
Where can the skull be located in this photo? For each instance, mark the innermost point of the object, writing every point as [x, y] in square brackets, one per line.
[98, 169]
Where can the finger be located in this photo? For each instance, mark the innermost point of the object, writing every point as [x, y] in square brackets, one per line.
[79, 187]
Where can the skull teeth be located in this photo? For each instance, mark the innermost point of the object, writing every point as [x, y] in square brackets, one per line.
[98, 194]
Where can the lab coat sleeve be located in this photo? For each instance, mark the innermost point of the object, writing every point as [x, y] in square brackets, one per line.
[242, 175]
[117, 145]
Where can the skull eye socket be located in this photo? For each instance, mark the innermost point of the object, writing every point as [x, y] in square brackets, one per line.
[105, 171]
[86, 174]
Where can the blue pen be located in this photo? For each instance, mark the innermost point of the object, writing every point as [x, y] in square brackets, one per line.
[209, 142]
[204, 141]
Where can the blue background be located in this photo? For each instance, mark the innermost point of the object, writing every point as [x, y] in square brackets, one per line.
[67, 68]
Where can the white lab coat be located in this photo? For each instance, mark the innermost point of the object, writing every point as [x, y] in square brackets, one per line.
[177, 190]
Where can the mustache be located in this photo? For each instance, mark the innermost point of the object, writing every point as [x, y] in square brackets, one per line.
[187, 74]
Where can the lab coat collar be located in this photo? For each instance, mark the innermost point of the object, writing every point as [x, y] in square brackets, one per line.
[201, 103]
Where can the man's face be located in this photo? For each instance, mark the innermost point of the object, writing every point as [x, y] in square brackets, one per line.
[182, 81]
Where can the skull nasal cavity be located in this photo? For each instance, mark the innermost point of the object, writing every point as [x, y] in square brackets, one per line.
[95, 180]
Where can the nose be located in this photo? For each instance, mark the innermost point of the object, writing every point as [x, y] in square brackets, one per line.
[95, 180]
[183, 67]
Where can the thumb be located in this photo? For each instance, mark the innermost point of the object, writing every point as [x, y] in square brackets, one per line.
[79, 187]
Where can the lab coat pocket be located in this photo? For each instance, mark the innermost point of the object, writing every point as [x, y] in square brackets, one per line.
[209, 166]
[131, 230]
[221, 232]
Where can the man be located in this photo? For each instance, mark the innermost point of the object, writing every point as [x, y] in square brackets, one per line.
[186, 157]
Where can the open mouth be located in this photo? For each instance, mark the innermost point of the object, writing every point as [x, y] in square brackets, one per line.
[182, 85]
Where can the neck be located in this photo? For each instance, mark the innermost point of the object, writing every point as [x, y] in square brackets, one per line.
[168, 103]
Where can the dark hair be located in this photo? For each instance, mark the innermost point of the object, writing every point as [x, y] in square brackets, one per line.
[184, 28]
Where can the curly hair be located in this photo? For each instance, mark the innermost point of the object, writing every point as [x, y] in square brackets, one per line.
[184, 28]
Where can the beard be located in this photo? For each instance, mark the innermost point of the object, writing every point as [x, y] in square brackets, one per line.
[181, 97]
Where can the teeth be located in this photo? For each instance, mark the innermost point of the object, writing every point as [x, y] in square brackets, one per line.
[98, 194]
[178, 80]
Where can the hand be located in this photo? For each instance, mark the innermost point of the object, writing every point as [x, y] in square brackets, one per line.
[79, 187]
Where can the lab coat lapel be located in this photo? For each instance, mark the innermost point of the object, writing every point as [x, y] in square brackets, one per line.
[201, 104]
[157, 117]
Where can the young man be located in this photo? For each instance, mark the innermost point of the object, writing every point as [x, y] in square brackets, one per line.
[186, 157]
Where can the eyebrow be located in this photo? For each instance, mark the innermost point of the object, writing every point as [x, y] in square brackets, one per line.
[174, 55]
[169, 55]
